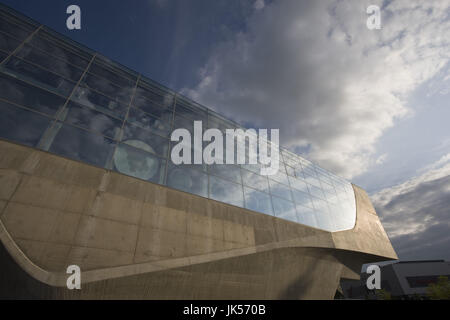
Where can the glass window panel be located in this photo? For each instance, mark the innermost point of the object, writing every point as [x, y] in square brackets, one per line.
[107, 73]
[14, 27]
[191, 113]
[227, 171]
[51, 63]
[161, 125]
[302, 198]
[324, 220]
[24, 94]
[306, 216]
[298, 184]
[143, 139]
[219, 123]
[257, 201]
[150, 107]
[61, 50]
[155, 96]
[188, 180]
[280, 177]
[226, 191]
[290, 171]
[280, 190]
[317, 192]
[82, 145]
[138, 163]
[100, 102]
[42, 77]
[122, 93]
[180, 122]
[92, 120]
[284, 209]
[20, 125]
[254, 180]
[7, 43]
[299, 173]
[312, 180]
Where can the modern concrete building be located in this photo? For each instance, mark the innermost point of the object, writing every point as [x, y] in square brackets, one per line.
[86, 179]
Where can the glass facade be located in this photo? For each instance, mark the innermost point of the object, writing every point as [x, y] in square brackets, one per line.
[58, 96]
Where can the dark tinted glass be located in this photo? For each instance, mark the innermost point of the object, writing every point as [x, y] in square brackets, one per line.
[92, 120]
[161, 125]
[51, 63]
[42, 77]
[100, 102]
[29, 96]
[20, 125]
[82, 145]
[59, 49]
[8, 43]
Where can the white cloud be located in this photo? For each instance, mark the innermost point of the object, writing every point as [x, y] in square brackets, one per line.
[416, 213]
[313, 69]
[259, 4]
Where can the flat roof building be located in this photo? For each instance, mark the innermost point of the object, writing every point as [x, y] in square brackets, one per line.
[87, 179]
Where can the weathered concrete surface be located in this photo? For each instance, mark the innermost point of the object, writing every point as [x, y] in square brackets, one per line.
[134, 239]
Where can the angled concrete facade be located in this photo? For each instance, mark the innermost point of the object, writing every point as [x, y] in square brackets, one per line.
[135, 239]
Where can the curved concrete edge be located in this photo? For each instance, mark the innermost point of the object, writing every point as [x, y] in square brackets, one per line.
[58, 279]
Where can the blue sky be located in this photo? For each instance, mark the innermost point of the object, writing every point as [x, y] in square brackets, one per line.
[370, 105]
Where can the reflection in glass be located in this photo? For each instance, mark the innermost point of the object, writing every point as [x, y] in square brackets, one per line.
[58, 49]
[157, 144]
[188, 180]
[92, 120]
[302, 198]
[82, 145]
[24, 94]
[284, 209]
[133, 160]
[53, 64]
[7, 43]
[298, 184]
[108, 88]
[257, 201]
[226, 191]
[20, 125]
[255, 180]
[280, 190]
[144, 120]
[45, 78]
[230, 172]
[145, 94]
[113, 76]
[100, 102]
[15, 28]
[306, 216]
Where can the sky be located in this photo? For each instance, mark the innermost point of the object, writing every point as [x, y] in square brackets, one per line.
[370, 105]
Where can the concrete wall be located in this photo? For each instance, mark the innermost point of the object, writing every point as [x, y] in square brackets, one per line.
[130, 237]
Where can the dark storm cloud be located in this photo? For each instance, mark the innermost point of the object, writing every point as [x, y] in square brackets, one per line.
[416, 215]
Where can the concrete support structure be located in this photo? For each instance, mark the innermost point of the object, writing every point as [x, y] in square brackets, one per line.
[139, 240]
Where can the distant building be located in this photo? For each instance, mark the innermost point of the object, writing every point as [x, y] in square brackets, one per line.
[403, 279]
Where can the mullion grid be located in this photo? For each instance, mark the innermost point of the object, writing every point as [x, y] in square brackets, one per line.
[334, 181]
